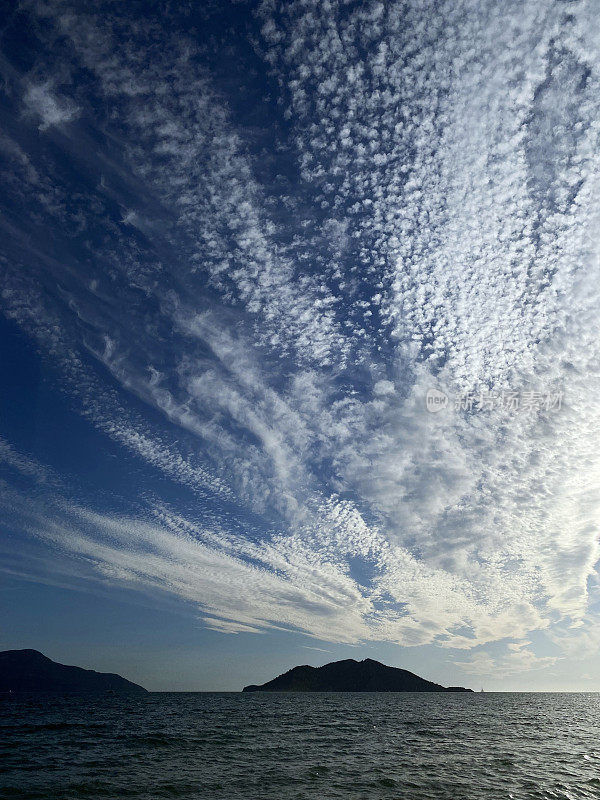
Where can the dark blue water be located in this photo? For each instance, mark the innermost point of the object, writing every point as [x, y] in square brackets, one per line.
[317, 746]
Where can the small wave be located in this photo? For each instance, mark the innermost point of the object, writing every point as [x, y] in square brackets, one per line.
[55, 726]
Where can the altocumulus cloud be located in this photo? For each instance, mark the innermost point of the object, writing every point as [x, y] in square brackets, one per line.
[254, 303]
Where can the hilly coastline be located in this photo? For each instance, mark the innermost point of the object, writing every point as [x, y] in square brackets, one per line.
[32, 671]
[351, 676]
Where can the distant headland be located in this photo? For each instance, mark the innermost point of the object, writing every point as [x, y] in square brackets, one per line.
[351, 676]
[31, 671]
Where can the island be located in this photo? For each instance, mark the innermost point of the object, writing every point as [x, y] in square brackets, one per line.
[351, 676]
[31, 671]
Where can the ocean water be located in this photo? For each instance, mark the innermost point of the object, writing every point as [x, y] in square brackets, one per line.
[294, 746]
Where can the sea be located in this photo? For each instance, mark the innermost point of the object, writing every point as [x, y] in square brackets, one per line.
[321, 746]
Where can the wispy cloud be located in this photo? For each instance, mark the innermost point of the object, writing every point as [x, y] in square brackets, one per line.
[29, 467]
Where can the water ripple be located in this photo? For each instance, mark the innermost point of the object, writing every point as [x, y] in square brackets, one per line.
[301, 747]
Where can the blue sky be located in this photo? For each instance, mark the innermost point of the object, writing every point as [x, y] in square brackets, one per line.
[239, 245]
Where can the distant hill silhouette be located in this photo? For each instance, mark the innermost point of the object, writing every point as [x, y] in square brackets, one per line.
[31, 671]
[351, 676]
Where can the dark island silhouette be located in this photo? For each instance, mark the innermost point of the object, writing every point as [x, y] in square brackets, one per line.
[351, 676]
[31, 671]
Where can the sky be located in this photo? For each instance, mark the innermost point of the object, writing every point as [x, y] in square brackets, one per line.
[300, 338]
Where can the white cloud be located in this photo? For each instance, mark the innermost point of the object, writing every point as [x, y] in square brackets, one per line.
[51, 109]
[515, 662]
[383, 387]
[25, 465]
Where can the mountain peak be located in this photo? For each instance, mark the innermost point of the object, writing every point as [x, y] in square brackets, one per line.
[349, 675]
[29, 670]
